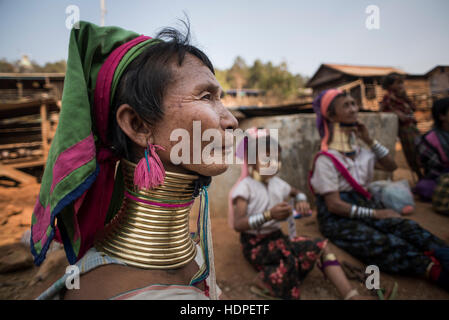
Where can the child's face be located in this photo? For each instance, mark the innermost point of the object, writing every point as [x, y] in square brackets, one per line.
[268, 165]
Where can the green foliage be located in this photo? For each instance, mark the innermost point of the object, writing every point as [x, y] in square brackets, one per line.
[221, 77]
[51, 67]
[273, 80]
[5, 66]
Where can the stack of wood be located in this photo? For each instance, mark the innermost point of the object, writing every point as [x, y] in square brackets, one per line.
[26, 131]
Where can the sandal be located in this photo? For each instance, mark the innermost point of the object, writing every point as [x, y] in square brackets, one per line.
[388, 294]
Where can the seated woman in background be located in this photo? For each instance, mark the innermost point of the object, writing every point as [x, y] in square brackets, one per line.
[258, 204]
[348, 216]
[433, 149]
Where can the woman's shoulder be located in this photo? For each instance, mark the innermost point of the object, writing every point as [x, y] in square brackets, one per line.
[324, 162]
[247, 182]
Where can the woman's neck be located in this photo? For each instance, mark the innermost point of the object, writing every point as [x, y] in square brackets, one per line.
[151, 230]
[342, 141]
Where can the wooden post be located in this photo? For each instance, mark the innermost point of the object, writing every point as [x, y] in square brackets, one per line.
[44, 130]
[362, 93]
[376, 107]
[20, 89]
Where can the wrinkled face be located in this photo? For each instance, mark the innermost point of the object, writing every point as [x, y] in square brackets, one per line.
[194, 95]
[346, 110]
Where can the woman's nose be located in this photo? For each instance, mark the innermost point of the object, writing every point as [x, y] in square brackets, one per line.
[228, 121]
[354, 108]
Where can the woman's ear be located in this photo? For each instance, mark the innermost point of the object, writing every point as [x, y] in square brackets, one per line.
[133, 125]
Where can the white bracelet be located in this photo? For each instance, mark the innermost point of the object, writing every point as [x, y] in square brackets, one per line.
[364, 213]
[301, 197]
[256, 221]
[379, 150]
[354, 209]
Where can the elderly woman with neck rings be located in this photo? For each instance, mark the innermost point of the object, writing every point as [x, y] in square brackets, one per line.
[347, 214]
[145, 250]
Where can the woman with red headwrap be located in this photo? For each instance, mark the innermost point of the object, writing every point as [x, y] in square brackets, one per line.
[347, 214]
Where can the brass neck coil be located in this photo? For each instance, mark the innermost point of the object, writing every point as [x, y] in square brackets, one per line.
[146, 235]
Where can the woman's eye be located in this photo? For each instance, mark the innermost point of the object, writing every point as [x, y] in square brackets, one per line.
[206, 97]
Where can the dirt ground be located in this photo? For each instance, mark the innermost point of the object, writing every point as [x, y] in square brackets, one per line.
[234, 274]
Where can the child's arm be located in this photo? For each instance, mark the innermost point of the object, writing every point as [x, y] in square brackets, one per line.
[281, 211]
[301, 203]
[240, 218]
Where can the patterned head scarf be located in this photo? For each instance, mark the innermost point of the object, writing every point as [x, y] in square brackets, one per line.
[78, 180]
[320, 105]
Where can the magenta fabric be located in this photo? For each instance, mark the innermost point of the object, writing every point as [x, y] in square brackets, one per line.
[103, 85]
[94, 204]
[42, 214]
[74, 157]
[344, 172]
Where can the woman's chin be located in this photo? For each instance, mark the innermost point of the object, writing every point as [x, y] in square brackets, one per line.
[207, 169]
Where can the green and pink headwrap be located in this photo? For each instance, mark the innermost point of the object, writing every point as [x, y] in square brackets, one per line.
[78, 180]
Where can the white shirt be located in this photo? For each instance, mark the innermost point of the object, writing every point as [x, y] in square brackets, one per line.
[262, 197]
[326, 178]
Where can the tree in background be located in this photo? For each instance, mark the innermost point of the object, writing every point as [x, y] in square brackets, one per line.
[51, 67]
[237, 76]
[273, 80]
[5, 66]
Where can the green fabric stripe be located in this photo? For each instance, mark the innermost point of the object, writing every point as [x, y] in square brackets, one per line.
[49, 231]
[67, 185]
[133, 53]
[38, 246]
[33, 219]
[76, 246]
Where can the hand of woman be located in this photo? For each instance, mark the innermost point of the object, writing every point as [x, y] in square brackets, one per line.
[362, 133]
[303, 207]
[281, 211]
[385, 214]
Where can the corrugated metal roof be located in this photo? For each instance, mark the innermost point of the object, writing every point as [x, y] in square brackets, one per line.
[363, 71]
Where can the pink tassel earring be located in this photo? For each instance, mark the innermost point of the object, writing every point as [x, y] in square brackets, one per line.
[149, 172]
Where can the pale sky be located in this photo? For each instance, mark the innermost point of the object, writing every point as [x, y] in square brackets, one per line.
[413, 35]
